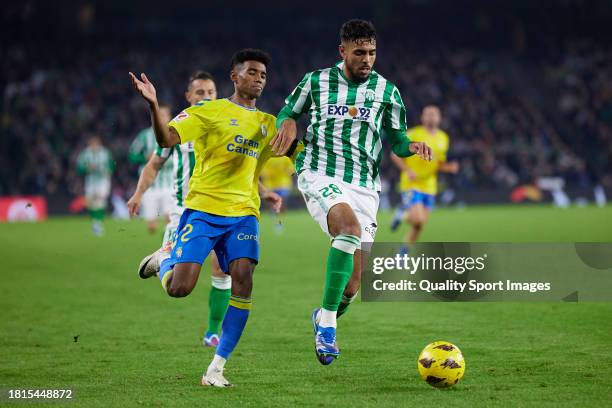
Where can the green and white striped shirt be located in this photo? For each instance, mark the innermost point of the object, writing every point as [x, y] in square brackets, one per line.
[183, 161]
[140, 151]
[346, 120]
[96, 164]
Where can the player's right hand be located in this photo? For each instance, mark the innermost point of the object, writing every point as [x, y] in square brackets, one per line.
[285, 136]
[422, 150]
[145, 88]
[274, 200]
[134, 205]
[453, 167]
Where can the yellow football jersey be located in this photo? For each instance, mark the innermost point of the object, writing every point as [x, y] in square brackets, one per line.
[426, 172]
[231, 145]
[277, 173]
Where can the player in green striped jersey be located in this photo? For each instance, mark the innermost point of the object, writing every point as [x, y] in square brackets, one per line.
[349, 105]
[201, 87]
[157, 200]
[96, 164]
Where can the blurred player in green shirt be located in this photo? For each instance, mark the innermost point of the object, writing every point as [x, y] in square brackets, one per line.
[96, 164]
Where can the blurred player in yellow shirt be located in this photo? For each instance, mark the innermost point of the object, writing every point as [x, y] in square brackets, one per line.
[277, 177]
[419, 178]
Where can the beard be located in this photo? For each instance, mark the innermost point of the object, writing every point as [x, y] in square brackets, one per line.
[357, 76]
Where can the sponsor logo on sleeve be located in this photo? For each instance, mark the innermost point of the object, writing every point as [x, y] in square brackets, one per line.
[181, 116]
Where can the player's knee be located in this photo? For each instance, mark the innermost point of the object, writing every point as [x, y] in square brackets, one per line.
[341, 220]
[349, 228]
[242, 281]
[354, 230]
[217, 271]
[406, 217]
[241, 272]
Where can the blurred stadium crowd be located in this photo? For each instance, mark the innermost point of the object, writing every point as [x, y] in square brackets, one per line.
[517, 108]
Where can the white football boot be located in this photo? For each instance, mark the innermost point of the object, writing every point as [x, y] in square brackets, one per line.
[150, 264]
[214, 378]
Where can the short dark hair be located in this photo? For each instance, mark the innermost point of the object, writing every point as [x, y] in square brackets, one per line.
[354, 30]
[204, 75]
[250, 54]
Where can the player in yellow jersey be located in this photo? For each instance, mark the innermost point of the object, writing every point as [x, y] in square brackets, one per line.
[231, 143]
[277, 176]
[419, 178]
[201, 86]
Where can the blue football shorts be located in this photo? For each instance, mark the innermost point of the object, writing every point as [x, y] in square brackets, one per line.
[412, 197]
[199, 232]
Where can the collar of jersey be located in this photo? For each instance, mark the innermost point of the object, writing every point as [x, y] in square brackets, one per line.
[242, 106]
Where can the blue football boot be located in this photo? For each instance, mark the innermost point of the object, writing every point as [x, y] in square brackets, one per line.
[323, 359]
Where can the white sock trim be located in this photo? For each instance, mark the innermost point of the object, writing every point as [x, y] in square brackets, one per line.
[328, 318]
[223, 283]
[346, 243]
[218, 362]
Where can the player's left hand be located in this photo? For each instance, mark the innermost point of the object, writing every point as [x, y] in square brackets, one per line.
[422, 150]
[145, 88]
[274, 200]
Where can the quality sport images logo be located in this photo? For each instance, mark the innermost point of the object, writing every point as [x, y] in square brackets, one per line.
[349, 112]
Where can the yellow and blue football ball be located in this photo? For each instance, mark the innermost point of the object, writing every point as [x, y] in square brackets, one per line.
[441, 364]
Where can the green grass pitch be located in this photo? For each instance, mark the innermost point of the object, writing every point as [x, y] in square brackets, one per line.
[138, 347]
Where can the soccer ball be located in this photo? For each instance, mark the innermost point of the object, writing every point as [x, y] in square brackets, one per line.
[441, 364]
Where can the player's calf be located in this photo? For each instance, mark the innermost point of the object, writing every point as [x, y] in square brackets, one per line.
[218, 299]
[351, 290]
[352, 287]
[349, 295]
[241, 271]
[346, 232]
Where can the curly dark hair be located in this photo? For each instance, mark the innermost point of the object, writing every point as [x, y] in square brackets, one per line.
[354, 30]
[250, 54]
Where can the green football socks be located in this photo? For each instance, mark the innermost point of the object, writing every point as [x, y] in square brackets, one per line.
[220, 292]
[339, 269]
